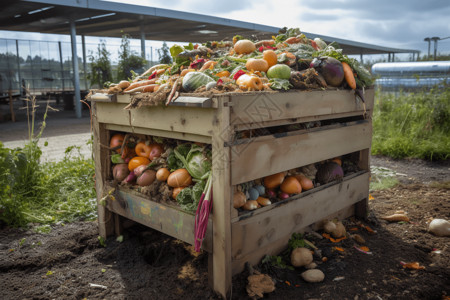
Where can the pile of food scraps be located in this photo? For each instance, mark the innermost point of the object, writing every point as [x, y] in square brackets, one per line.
[289, 60]
[176, 172]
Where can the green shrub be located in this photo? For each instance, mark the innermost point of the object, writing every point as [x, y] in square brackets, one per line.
[415, 125]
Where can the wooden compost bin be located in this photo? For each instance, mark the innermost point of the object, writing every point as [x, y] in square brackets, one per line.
[234, 238]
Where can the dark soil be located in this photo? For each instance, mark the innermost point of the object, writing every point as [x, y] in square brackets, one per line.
[69, 263]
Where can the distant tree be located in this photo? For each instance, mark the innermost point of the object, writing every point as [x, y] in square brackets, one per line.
[100, 66]
[164, 54]
[129, 61]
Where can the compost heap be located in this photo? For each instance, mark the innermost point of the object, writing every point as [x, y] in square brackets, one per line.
[289, 60]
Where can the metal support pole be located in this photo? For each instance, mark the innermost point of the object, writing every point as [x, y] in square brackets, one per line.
[21, 89]
[389, 57]
[142, 42]
[76, 75]
[83, 44]
[361, 58]
[435, 39]
[61, 63]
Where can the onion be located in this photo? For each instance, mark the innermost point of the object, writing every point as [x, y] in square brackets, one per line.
[120, 172]
[130, 178]
[146, 178]
[179, 178]
[271, 193]
[330, 68]
[283, 195]
[328, 172]
[139, 170]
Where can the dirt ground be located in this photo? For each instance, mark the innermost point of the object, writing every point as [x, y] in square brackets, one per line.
[69, 263]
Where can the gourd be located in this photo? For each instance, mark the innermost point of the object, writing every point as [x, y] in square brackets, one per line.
[194, 80]
[244, 47]
[249, 83]
[257, 64]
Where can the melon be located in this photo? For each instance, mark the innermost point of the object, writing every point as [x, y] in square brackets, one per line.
[280, 71]
[194, 80]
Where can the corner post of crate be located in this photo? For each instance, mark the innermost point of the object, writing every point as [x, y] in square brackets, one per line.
[101, 158]
[221, 255]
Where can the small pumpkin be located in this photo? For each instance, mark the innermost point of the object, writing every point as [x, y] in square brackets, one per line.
[291, 185]
[244, 47]
[248, 82]
[257, 64]
[274, 181]
[271, 57]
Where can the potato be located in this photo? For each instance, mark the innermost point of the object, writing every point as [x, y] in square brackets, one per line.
[301, 257]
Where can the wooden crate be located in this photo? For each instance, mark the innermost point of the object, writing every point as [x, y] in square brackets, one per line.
[236, 238]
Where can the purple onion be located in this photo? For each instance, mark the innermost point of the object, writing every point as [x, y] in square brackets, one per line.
[328, 172]
[283, 195]
[330, 68]
[130, 178]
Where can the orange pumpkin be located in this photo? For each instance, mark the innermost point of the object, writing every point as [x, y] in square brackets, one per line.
[257, 64]
[137, 161]
[116, 141]
[291, 185]
[244, 47]
[142, 149]
[273, 181]
[162, 174]
[271, 57]
[305, 182]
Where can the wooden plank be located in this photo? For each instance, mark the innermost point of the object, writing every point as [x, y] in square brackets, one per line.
[192, 120]
[222, 203]
[263, 107]
[174, 222]
[192, 102]
[102, 167]
[263, 156]
[161, 133]
[262, 234]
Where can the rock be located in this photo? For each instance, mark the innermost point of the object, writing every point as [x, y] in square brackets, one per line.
[312, 265]
[439, 227]
[359, 239]
[313, 275]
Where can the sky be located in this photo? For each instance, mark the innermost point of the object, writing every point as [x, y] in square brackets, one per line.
[392, 23]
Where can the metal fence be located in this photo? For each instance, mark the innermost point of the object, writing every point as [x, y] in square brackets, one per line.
[46, 66]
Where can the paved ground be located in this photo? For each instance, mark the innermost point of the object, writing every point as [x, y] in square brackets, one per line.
[62, 130]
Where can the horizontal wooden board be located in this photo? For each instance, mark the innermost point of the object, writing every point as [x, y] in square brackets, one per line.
[266, 107]
[161, 133]
[264, 156]
[164, 218]
[191, 120]
[261, 234]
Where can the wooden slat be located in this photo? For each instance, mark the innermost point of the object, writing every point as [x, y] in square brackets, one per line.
[221, 260]
[259, 235]
[166, 219]
[102, 167]
[296, 104]
[161, 133]
[262, 156]
[190, 120]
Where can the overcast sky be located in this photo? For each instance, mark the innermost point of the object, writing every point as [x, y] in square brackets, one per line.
[392, 23]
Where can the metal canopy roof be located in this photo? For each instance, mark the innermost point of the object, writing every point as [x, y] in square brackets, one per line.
[110, 19]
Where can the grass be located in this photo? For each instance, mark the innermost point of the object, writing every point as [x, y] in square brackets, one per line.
[44, 193]
[412, 124]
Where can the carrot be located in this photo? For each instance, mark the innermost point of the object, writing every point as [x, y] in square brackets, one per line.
[293, 40]
[396, 218]
[348, 75]
[143, 89]
[208, 65]
[140, 83]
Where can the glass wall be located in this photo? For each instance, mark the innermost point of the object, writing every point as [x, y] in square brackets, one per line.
[46, 66]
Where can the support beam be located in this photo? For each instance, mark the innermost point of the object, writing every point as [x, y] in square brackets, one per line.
[83, 44]
[61, 63]
[361, 58]
[76, 74]
[21, 88]
[142, 42]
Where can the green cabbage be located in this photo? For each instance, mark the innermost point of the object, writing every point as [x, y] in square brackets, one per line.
[197, 161]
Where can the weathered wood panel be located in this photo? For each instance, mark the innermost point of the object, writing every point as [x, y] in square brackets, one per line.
[166, 219]
[190, 120]
[102, 167]
[222, 204]
[264, 156]
[263, 107]
[259, 235]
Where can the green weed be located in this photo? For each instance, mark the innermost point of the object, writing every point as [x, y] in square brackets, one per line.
[412, 124]
[44, 193]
